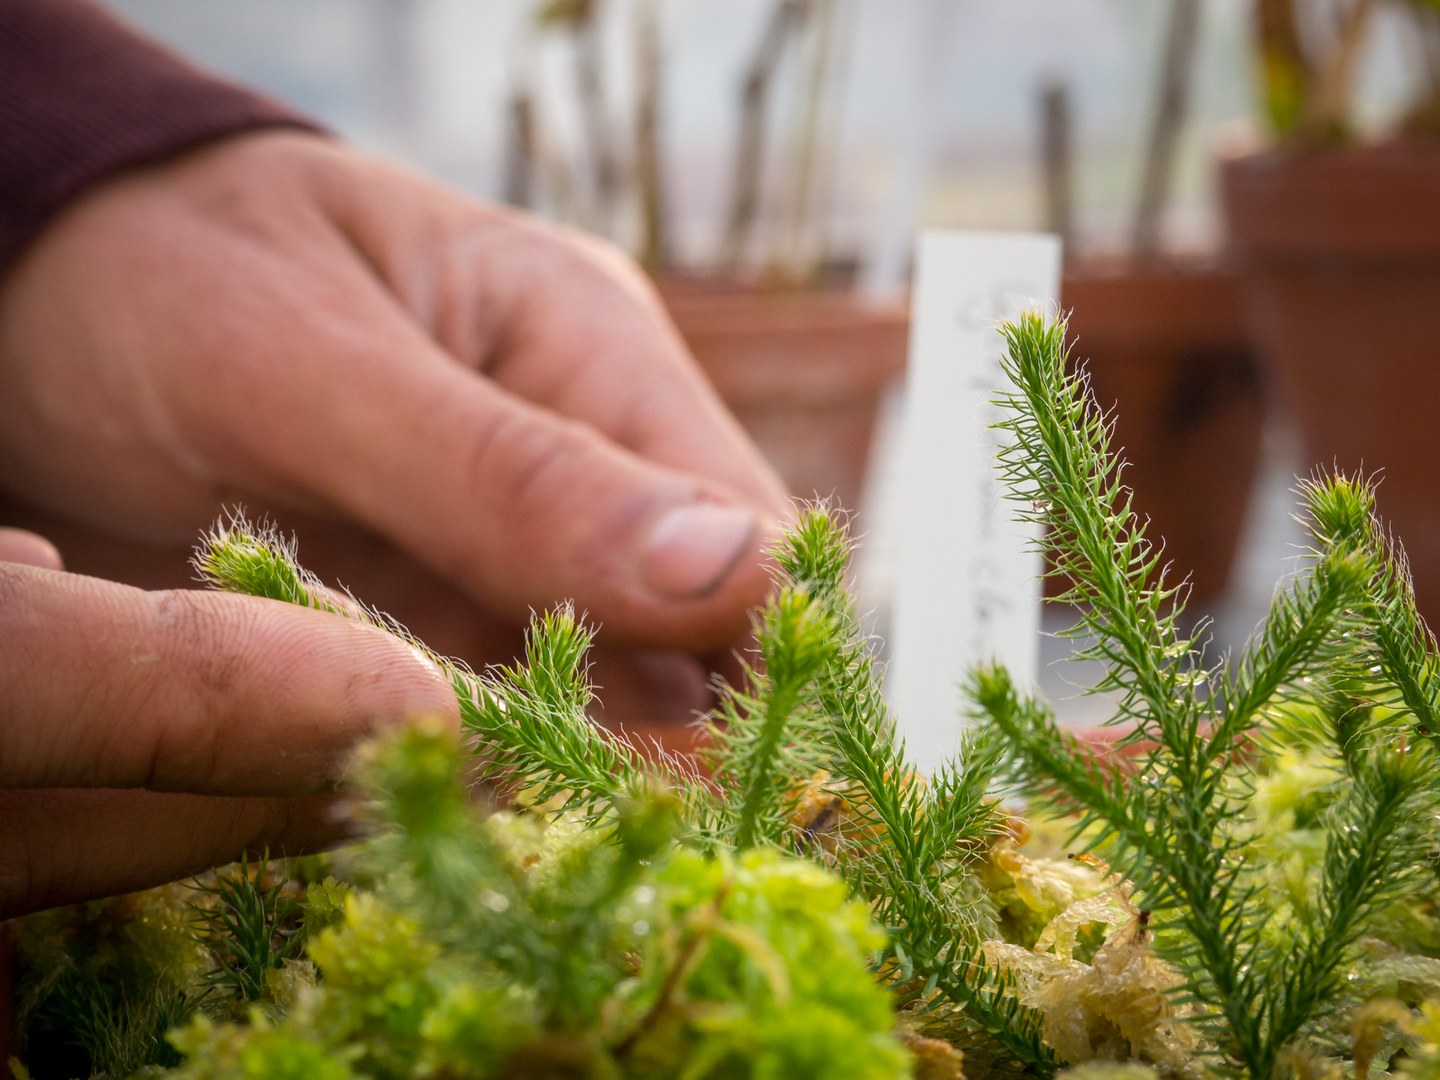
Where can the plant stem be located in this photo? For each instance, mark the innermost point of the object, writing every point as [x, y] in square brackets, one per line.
[653, 253]
[1056, 166]
[1326, 115]
[786, 18]
[1171, 110]
[590, 83]
[791, 260]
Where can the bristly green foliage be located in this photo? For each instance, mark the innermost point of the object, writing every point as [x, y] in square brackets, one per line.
[770, 738]
[1405, 645]
[808, 713]
[771, 735]
[905, 842]
[1166, 816]
[258, 560]
[639, 915]
[527, 720]
[462, 887]
[104, 982]
[531, 732]
[250, 924]
[506, 947]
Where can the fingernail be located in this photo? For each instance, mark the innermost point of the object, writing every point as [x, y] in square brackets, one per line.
[693, 548]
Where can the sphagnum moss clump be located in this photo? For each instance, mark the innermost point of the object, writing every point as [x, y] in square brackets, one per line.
[801, 903]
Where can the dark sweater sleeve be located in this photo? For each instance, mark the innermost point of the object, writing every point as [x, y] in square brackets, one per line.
[82, 96]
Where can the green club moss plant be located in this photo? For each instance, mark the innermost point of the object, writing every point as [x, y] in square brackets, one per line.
[1342, 662]
[799, 903]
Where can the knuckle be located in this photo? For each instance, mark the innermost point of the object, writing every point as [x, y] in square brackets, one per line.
[518, 463]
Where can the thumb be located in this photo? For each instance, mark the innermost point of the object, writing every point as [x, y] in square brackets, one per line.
[527, 508]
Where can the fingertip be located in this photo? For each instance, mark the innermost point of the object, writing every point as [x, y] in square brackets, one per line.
[264, 698]
[394, 681]
[438, 686]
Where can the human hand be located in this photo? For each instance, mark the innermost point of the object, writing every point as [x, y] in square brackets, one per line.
[386, 366]
[149, 735]
[279, 321]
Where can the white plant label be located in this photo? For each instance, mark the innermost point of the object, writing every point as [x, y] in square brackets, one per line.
[967, 589]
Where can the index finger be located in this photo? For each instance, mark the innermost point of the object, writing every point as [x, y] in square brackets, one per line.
[106, 686]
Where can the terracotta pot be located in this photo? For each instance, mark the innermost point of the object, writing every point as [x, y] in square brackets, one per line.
[803, 371]
[1341, 255]
[1166, 348]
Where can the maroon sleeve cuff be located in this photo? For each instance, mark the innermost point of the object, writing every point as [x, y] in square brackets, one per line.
[82, 96]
